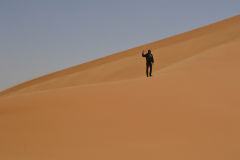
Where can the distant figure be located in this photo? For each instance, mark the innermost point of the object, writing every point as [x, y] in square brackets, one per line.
[149, 61]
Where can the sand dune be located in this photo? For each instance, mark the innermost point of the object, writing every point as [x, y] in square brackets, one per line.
[129, 64]
[106, 109]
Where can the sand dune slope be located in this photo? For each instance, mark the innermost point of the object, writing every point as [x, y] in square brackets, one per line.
[188, 110]
[129, 64]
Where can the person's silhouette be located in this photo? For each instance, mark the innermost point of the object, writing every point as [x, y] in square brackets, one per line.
[149, 61]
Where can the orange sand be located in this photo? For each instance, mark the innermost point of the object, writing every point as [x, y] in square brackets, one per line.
[108, 110]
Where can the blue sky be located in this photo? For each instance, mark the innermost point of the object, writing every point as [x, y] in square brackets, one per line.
[42, 36]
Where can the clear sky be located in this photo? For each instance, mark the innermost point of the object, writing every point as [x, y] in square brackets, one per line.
[38, 37]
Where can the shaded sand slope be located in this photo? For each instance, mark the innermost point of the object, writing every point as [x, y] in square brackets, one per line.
[130, 65]
[187, 111]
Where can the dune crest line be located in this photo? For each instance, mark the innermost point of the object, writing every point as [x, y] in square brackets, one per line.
[129, 64]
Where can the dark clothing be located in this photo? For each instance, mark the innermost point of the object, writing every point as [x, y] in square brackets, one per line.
[149, 65]
[149, 58]
[149, 62]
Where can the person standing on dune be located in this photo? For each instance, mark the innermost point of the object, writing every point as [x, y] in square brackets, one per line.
[149, 61]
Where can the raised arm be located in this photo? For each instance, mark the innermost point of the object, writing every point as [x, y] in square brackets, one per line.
[143, 54]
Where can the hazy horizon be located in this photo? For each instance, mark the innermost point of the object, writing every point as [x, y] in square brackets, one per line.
[41, 37]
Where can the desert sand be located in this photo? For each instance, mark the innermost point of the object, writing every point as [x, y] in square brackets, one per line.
[107, 109]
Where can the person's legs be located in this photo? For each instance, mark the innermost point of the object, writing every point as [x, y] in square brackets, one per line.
[150, 65]
[147, 69]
